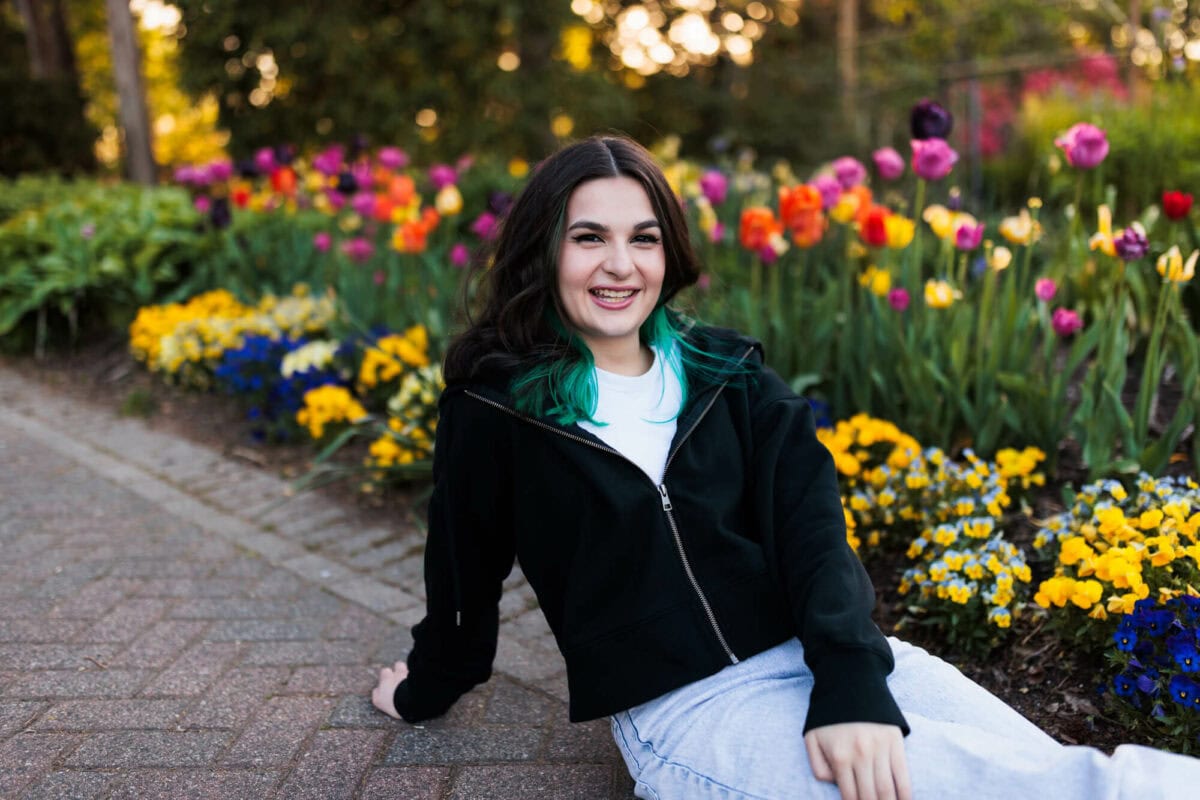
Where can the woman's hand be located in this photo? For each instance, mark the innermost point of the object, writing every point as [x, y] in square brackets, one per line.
[382, 696]
[865, 759]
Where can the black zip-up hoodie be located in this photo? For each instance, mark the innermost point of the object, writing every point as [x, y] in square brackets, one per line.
[647, 587]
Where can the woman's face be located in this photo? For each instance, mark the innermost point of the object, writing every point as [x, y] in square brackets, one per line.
[610, 264]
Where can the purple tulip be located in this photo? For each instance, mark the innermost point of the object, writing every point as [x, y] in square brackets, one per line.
[1065, 322]
[830, 189]
[715, 186]
[220, 215]
[768, 255]
[898, 299]
[358, 249]
[362, 174]
[322, 241]
[442, 175]
[485, 226]
[393, 158]
[1084, 145]
[717, 234]
[930, 120]
[329, 161]
[933, 158]
[849, 171]
[460, 255]
[1132, 243]
[264, 160]
[889, 163]
[1045, 289]
[202, 203]
[220, 170]
[968, 236]
[500, 202]
[184, 174]
[336, 199]
[363, 203]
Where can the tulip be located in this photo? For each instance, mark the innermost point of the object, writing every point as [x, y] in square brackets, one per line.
[363, 203]
[851, 205]
[1045, 289]
[800, 212]
[1084, 145]
[932, 158]
[968, 236]
[393, 157]
[88, 230]
[449, 200]
[898, 299]
[873, 229]
[329, 161]
[219, 215]
[900, 231]
[460, 255]
[1065, 322]
[830, 189]
[221, 170]
[264, 160]
[518, 167]
[358, 249]
[500, 202]
[1172, 267]
[940, 294]
[888, 163]
[1001, 258]
[1020, 229]
[715, 186]
[704, 282]
[1131, 243]
[202, 203]
[717, 234]
[401, 189]
[1176, 205]
[849, 171]
[485, 226]
[758, 224]
[930, 120]
[347, 183]
[442, 175]
[877, 281]
[322, 241]
[1102, 239]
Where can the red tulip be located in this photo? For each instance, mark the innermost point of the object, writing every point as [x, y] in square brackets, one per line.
[1176, 205]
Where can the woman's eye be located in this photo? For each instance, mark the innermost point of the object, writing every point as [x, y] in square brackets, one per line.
[646, 238]
[585, 238]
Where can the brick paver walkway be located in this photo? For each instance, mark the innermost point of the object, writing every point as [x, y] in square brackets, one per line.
[172, 625]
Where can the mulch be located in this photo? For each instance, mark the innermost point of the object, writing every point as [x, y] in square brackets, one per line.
[1034, 670]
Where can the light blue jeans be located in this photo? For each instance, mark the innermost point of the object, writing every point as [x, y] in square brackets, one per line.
[738, 734]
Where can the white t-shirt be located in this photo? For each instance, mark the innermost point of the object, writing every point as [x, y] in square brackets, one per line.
[640, 413]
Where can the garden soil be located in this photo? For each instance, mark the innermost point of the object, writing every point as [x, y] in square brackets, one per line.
[1033, 671]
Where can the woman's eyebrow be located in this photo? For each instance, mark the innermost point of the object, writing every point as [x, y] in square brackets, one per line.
[596, 226]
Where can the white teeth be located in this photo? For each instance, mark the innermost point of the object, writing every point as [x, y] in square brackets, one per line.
[608, 294]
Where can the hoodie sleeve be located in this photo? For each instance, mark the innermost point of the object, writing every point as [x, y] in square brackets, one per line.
[468, 554]
[830, 595]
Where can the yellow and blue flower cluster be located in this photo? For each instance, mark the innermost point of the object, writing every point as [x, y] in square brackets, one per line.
[1115, 547]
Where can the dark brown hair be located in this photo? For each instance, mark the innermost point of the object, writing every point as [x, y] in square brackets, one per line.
[520, 321]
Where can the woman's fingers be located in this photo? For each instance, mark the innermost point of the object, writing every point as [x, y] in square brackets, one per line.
[816, 759]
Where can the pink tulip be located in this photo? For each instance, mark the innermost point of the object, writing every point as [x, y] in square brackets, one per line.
[1065, 322]
[968, 237]
[849, 171]
[264, 160]
[460, 255]
[1045, 289]
[717, 234]
[715, 186]
[888, 163]
[202, 204]
[704, 282]
[322, 241]
[221, 170]
[358, 249]
[830, 189]
[442, 175]
[1084, 145]
[393, 158]
[485, 226]
[363, 203]
[932, 158]
[898, 299]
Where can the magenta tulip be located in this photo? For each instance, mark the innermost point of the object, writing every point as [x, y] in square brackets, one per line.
[830, 189]
[460, 255]
[849, 171]
[1084, 145]
[888, 163]
[1065, 322]
[968, 236]
[933, 158]
[898, 299]
[322, 241]
[442, 175]
[1045, 289]
[393, 158]
[358, 249]
[715, 186]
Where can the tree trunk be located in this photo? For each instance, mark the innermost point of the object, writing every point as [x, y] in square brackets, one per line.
[50, 54]
[847, 61]
[139, 158]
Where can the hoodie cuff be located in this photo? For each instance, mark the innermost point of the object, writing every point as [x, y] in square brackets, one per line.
[423, 702]
[852, 687]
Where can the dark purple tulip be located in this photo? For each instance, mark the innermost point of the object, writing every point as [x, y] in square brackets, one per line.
[247, 168]
[931, 120]
[358, 145]
[347, 184]
[285, 154]
[1132, 244]
[500, 202]
[219, 215]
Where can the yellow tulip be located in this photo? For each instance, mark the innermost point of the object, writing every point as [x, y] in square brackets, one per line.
[1020, 229]
[900, 231]
[940, 294]
[449, 200]
[940, 219]
[1001, 258]
[877, 281]
[518, 168]
[1102, 240]
[1174, 269]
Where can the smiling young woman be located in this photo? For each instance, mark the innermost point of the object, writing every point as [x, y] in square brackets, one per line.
[681, 525]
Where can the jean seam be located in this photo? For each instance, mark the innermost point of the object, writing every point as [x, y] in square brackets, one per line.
[625, 742]
[686, 768]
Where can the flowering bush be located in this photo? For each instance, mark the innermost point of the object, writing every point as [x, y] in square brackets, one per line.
[1155, 656]
[948, 514]
[1114, 548]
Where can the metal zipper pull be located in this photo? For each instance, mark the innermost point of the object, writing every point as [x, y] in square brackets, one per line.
[666, 500]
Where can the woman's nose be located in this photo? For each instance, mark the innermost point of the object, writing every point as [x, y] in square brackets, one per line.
[619, 261]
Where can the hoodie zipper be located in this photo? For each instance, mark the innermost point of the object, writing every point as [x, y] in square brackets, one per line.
[667, 506]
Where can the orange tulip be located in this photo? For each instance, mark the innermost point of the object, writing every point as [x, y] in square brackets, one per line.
[800, 210]
[401, 189]
[757, 227]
